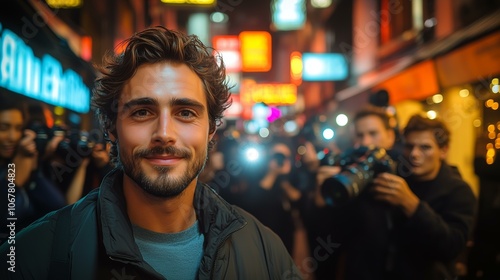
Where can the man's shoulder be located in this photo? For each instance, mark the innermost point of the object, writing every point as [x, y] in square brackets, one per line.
[45, 225]
[454, 187]
[256, 228]
[33, 245]
[257, 241]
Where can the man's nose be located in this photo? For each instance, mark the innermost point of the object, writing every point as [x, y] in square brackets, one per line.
[165, 131]
[366, 141]
[414, 152]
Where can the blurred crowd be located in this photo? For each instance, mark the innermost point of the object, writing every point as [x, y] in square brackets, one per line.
[53, 164]
[383, 207]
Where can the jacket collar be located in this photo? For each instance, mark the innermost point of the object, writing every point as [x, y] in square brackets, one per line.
[216, 217]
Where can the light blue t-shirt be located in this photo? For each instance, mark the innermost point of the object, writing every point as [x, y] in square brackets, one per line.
[173, 255]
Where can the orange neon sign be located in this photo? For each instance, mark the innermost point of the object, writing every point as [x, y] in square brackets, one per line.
[296, 68]
[270, 94]
[256, 51]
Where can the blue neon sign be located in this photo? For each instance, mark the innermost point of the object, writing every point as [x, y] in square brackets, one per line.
[288, 14]
[42, 78]
[324, 67]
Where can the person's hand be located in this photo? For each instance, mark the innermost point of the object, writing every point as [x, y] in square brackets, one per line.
[100, 155]
[26, 157]
[51, 147]
[325, 172]
[27, 146]
[310, 158]
[394, 190]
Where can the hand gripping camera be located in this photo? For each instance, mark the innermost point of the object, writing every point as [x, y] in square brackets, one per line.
[359, 167]
[74, 141]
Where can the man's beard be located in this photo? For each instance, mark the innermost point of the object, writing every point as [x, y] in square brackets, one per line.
[165, 185]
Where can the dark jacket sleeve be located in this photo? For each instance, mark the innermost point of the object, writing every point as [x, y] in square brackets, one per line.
[257, 243]
[27, 256]
[442, 234]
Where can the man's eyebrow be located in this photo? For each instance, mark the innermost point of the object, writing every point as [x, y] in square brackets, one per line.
[145, 101]
[188, 103]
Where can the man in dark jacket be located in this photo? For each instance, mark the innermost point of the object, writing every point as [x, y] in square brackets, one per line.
[412, 225]
[160, 103]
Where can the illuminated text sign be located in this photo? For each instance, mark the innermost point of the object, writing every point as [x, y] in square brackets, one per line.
[190, 2]
[271, 94]
[42, 78]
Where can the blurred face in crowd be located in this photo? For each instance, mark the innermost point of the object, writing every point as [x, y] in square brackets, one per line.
[371, 131]
[284, 156]
[424, 154]
[11, 131]
[163, 128]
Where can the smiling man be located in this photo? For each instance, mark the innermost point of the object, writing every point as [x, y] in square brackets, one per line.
[160, 103]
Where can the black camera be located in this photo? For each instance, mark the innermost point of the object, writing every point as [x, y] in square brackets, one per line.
[359, 167]
[279, 158]
[74, 140]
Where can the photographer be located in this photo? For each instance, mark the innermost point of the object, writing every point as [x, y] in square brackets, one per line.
[412, 225]
[18, 152]
[270, 196]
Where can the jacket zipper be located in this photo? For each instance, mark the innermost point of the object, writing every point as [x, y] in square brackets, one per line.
[220, 246]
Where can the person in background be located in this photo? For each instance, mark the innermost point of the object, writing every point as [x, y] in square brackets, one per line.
[331, 225]
[160, 103]
[271, 197]
[34, 196]
[18, 158]
[413, 224]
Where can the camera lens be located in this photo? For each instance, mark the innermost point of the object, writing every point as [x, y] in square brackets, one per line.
[280, 158]
[355, 176]
[342, 188]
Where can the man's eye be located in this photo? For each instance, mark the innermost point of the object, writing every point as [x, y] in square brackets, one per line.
[186, 113]
[141, 113]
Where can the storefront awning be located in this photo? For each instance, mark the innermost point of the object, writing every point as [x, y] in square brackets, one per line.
[413, 62]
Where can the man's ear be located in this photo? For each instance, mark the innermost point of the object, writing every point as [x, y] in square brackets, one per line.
[443, 152]
[211, 135]
[392, 135]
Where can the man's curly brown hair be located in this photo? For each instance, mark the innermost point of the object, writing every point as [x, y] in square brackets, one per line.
[154, 45]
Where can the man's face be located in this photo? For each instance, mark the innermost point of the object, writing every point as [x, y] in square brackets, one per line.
[424, 154]
[163, 128]
[370, 131]
[11, 131]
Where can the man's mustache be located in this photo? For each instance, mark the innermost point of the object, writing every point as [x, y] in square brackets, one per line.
[169, 150]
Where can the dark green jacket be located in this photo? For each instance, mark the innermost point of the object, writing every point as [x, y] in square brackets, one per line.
[102, 244]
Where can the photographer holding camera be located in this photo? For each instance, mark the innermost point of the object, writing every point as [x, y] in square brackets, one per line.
[270, 195]
[19, 156]
[412, 225]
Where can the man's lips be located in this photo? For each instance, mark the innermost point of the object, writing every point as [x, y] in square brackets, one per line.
[163, 159]
[414, 164]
